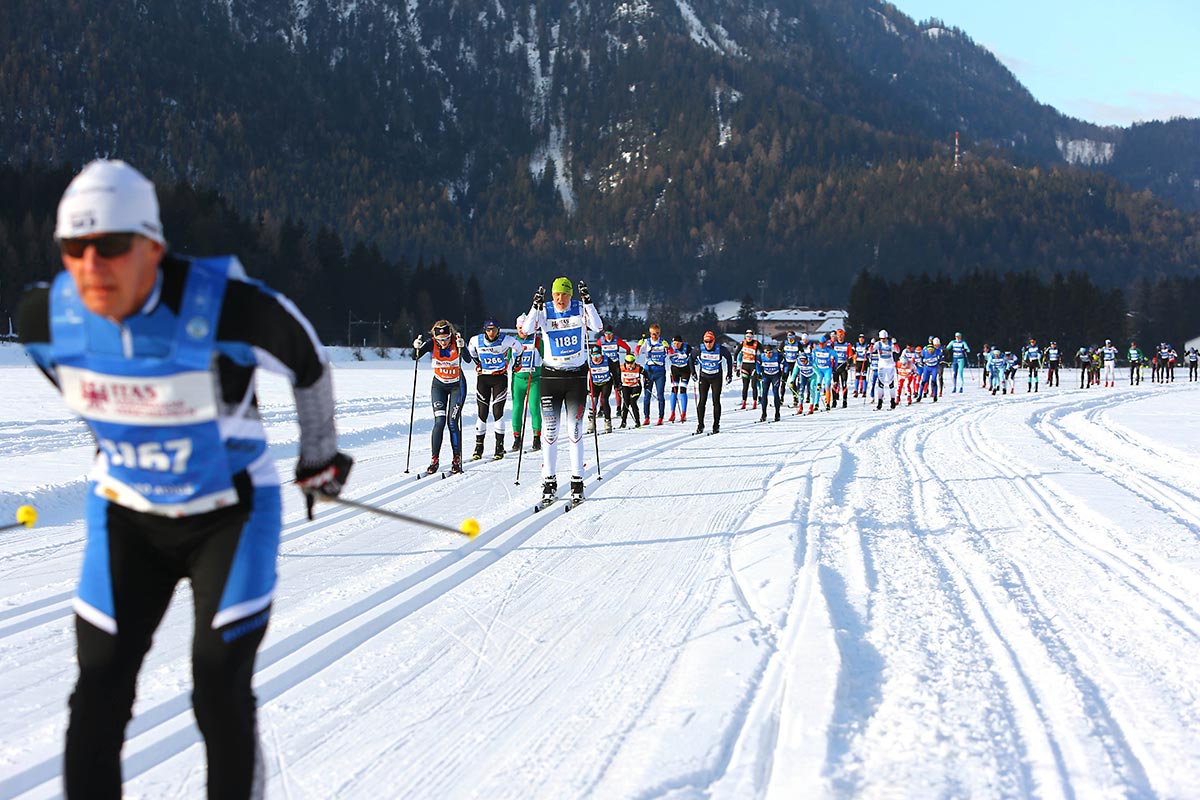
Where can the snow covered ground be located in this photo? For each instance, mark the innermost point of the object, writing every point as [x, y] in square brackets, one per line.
[987, 597]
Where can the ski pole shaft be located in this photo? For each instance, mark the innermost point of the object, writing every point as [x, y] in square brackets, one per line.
[468, 528]
[411, 415]
[595, 428]
[524, 420]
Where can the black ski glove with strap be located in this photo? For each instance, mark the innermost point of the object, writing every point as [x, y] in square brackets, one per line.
[325, 480]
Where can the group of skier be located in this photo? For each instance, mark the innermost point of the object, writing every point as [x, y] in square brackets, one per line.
[565, 366]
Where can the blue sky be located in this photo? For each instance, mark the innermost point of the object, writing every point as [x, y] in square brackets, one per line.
[1112, 62]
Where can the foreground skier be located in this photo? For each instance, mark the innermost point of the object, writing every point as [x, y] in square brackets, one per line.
[157, 354]
[564, 324]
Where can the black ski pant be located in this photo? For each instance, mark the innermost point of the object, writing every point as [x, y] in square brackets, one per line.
[1192, 370]
[600, 394]
[1052, 373]
[706, 384]
[840, 378]
[629, 398]
[1033, 375]
[749, 381]
[148, 555]
[491, 395]
[447, 400]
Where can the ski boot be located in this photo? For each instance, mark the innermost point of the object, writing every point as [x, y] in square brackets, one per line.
[516, 445]
[608, 426]
[716, 427]
[433, 467]
[878, 406]
[549, 490]
[699, 427]
[743, 405]
[499, 454]
[763, 416]
[669, 419]
[478, 454]
[537, 443]
[659, 421]
[646, 422]
[777, 415]
[456, 465]
[683, 417]
[895, 403]
[624, 424]
[576, 488]
[843, 401]
[591, 428]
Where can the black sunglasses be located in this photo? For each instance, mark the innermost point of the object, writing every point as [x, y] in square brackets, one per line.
[110, 245]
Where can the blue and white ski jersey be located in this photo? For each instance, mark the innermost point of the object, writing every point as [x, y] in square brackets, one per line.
[803, 371]
[931, 356]
[1012, 361]
[612, 349]
[822, 358]
[862, 351]
[564, 332]
[492, 358]
[770, 366]
[1192, 356]
[1053, 354]
[885, 351]
[680, 356]
[1108, 353]
[791, 349]
[958, 350]
[601, 373]
[1032, 353]
[653, 353]
[168, 394]
[530, 359]
[707, 362]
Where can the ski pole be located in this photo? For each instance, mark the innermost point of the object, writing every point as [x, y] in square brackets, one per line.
[595, 418]
[26, 517]
[524, 420]
[411, 413]
[469, 526]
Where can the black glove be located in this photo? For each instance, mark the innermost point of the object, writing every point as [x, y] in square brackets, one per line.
[326, 479]
[584, 294]
[539, 298]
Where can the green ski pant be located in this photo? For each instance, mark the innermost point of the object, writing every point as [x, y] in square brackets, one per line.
[520, 385]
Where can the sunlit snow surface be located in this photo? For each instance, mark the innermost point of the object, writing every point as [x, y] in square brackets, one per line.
[989, 597]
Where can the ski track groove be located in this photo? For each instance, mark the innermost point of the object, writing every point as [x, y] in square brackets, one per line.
[1015, 696]
[1107, 728]
[1134, 575]
[1183, 506]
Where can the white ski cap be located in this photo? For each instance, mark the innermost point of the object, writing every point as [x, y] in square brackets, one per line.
[520, 325]
[109, 197]
[883, 334]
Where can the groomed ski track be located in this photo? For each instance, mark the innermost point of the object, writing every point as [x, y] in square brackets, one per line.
[986, 597]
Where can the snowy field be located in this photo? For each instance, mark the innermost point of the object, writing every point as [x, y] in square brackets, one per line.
[990, 597]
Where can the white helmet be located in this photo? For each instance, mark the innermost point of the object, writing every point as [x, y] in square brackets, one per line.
[937, 342]
[883, 334]
[520, 320]
[109, 197]
[804, 337]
